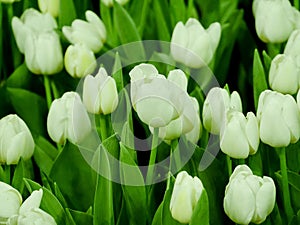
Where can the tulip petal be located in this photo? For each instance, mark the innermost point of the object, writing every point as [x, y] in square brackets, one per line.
[32, 202]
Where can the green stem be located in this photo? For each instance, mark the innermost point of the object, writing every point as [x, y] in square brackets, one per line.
[103, 126]
[47, 90]
[7, 172]
[54, 90]
[285, 185]
[241, 161]
[229, 165]
[153, 154]
[273, 49]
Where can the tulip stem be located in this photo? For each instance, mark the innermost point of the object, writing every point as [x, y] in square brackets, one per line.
[103, 125]
[54, 90]
[47, 90]
[296, 4]
[285, 185]
[7, 172]
[153, 154]
[229, 165]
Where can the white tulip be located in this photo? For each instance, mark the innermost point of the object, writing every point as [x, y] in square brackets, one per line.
[100, 95]
[284, 74]
[15, 140]
[274, 20]
[50, 6]
[246, 129]
[292, 47]
[217, 102]
[143, 71]
[92, 33]
[194, 46]
[68, 119]
[186, 193]
[11, 201]
[279, 119]
[248, 198]
[32, 22]
[110, 3]
[79, 61]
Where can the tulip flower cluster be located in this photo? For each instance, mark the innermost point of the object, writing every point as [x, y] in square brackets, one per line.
[13, 212]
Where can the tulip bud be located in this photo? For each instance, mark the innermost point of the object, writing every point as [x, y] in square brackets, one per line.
[32, 22]
[50, 6]
[15, 140]
[274, 20]
[248, 198]
[92, 33]
[43, 53]
[110, 3]
[216, 104]
[156, 99]
[186, 193]
[284, 75]
[292, 47]
[279, 119]
[194, 46]
[68, 119]
[79, 61]
[100, 93]
[236, 125]
[11, 201]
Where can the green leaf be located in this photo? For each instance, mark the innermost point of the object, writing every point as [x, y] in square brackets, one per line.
[157, 220]
[161, 24]
[23, 170]
[67, 13]
[80, 217]
[20, 78]
[267, 61]
[30, 107]
[128, 33]
[135, 196]
[177, 11]
[106, 16]
[201, 211]
[117, 73]
[69, 170]
[259, 78]
[49, 202]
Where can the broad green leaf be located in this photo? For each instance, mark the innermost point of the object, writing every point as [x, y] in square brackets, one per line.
[106, 16]
[67, 13]
[49, 202]
[60, 196]
[5, 104]
[201, 211]
[69, 170]
[177, 11]
[30, 107]
[255, 163]
[128, 33]
[259, 78]
[80, 217]
[23, 170]
[157, 220]
[160, 17]
[117, 73]
[135, 196]
[20, 78]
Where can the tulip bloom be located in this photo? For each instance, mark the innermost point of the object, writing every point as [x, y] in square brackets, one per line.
[194, 46]
[79, 61]
[68, 119]
[292, 47]
[248, 198]
[246, 129]
[11, 201]
[274, 20]
[279, 119]
[50, 6]
[100, 95]
[92, 33]
[15, 140]
[284, 74]
[186, 193]
[217, 102]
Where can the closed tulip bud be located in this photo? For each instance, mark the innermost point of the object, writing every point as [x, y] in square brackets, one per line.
[194, 46]
[245, 128]
[43, 53]
[68, 119]
[50, 6]
[292, 47]
[32, 22]
[91, 33]
[110, 3]
[11, 201]
[248, 198]
[284, 75]
[186, 193]
[217, 102]
[274, 20]
[15, 140]
[100, 95]
[79, 61]
[279, 119]
[157, 100]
